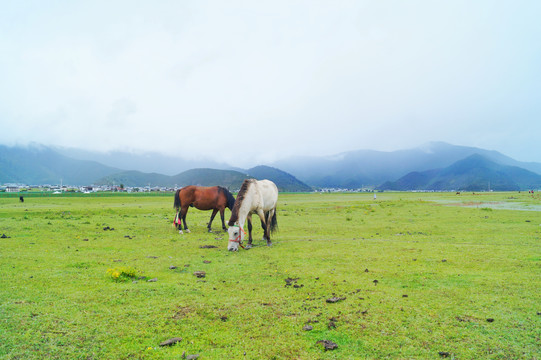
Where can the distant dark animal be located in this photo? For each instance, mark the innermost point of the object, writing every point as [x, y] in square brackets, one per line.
[215, 198]
[21, 199]
[255, 197]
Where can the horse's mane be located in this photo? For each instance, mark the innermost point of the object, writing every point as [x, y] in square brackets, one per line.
[229, 197]
[240, 197]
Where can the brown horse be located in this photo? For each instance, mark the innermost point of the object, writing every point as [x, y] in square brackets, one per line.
[215, 198]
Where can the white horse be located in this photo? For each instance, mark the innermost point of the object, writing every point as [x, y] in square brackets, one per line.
[255, 197]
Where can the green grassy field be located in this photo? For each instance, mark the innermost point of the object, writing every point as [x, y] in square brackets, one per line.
[419, 274]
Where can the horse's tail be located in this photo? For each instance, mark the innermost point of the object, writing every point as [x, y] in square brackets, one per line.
[176, 204]
[230, 198]
[273, 226]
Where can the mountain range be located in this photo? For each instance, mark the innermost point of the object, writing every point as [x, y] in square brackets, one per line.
[433, 166]
[474, 173]
[368, 167]
[38, 164]
[231, 179]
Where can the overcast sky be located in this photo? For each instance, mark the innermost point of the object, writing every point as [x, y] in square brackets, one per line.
[248, 82]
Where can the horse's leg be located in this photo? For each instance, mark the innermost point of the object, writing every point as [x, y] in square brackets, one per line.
[249, 220]
[184, 213]
[269, 214]
[212, 218]
[223, 220]
[263, 225]
[178, 221]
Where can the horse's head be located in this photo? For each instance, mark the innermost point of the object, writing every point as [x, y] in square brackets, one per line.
[236, 236]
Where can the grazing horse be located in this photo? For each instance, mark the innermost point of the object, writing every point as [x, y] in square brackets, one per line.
[254, 197]
[215, 198]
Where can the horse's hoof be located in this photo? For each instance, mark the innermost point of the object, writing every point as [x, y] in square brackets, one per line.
[180, 232]
[187, 231]
[269, 243]
[248, 246]
[209, 230]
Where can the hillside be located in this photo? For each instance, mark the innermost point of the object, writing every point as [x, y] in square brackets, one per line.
[284, 181]
[474, 173]
[230, 179]
[135, 179]
[209, 177]
[202, 177]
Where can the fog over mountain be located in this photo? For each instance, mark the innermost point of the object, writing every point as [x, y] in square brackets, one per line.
[143, 161]
[38, 164]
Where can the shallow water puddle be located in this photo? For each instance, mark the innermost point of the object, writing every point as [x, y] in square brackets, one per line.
[496, 205]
